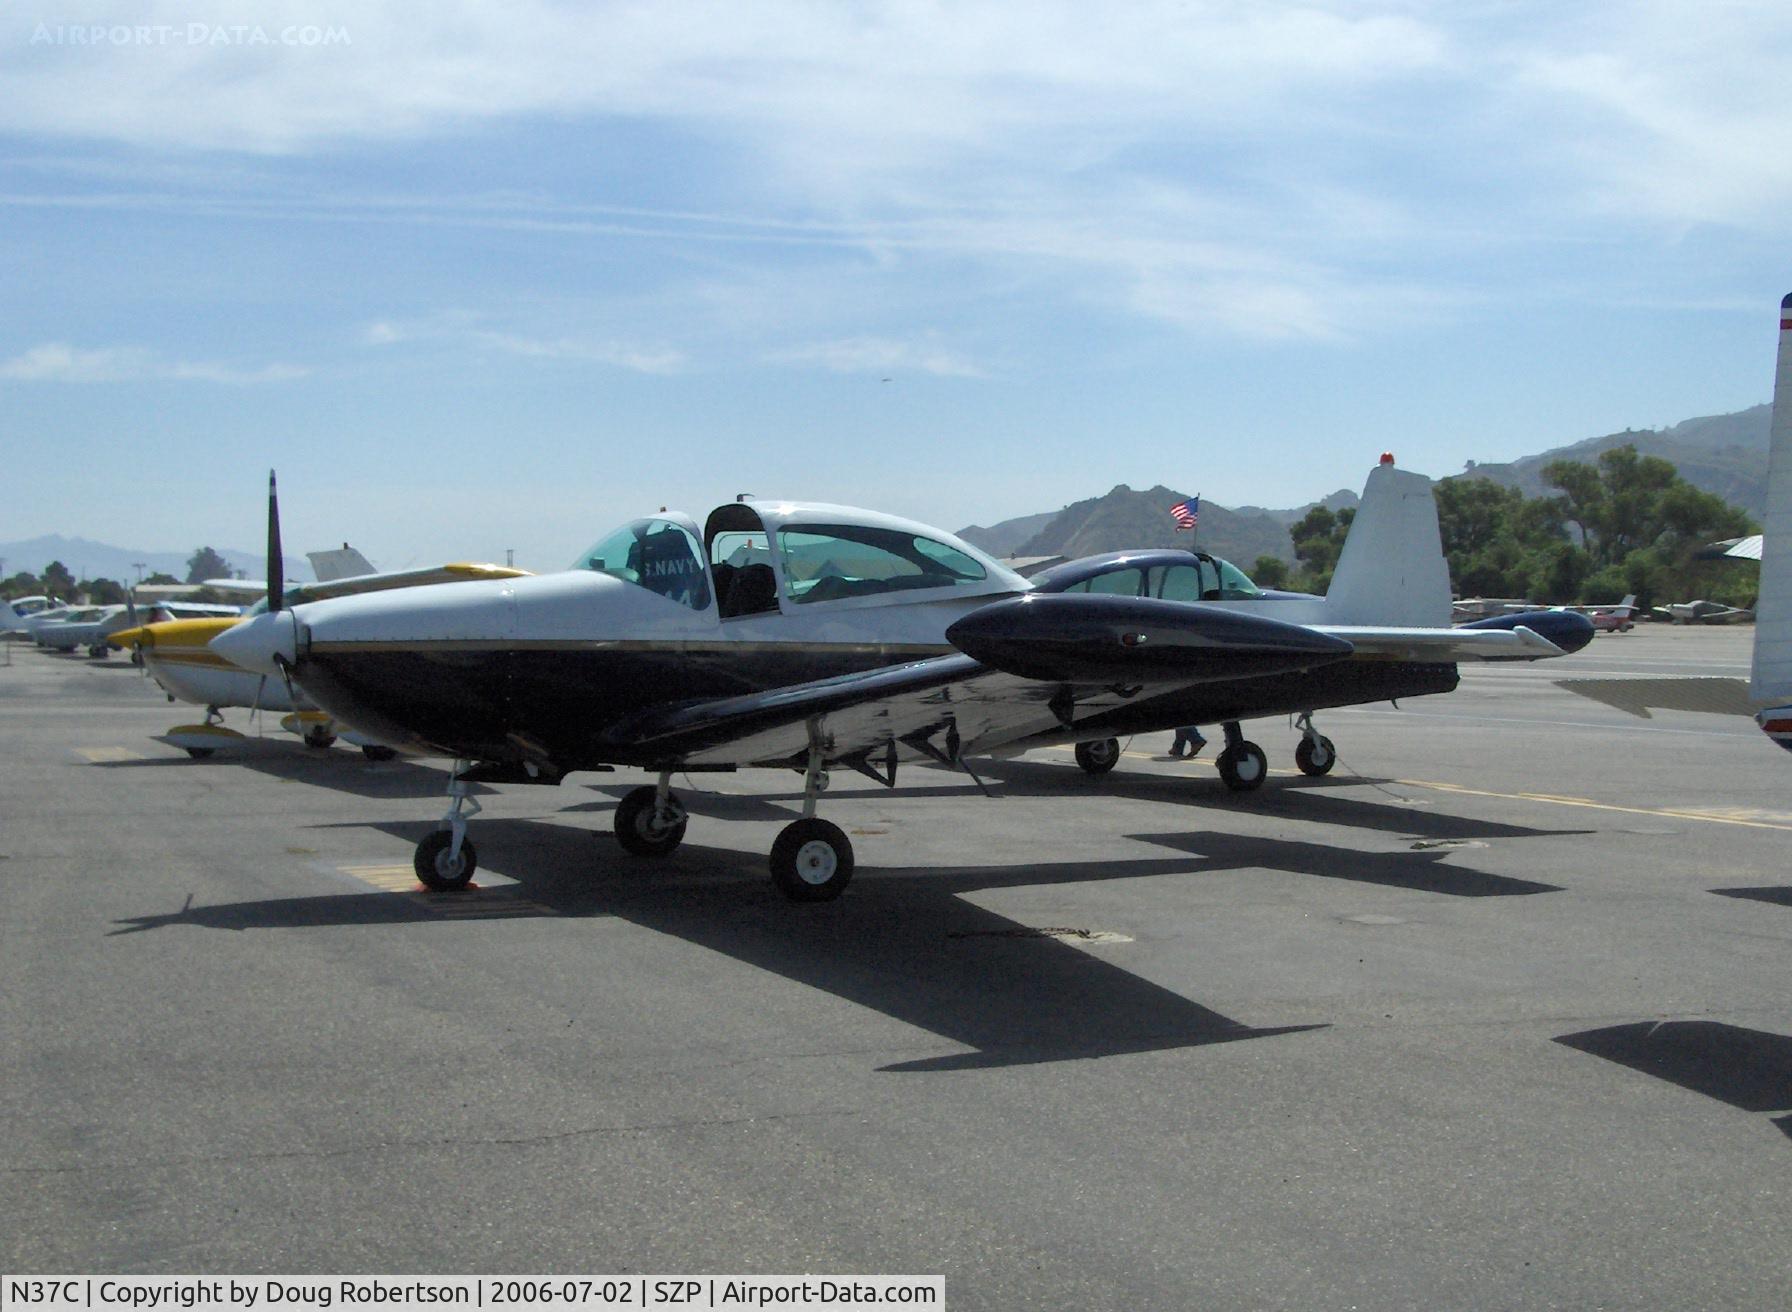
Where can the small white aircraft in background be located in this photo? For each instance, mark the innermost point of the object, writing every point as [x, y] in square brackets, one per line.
[14, 613]
[1703, 612]
[178, 656]
[795, 635]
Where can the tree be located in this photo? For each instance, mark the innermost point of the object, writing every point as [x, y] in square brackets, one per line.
[22, 584]
[104, 592]
[1630, 502]
[1625, 523]
[1318, 538]
[161, 579]
[1270, 572]
[206, 564]
[58, 582]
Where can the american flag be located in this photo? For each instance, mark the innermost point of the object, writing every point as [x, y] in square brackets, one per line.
[1186, 513]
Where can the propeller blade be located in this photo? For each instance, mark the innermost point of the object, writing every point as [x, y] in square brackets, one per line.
[276, 566]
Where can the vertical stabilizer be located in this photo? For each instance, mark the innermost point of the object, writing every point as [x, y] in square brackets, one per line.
[341, 563]
[1392, 568]
[1772, 678]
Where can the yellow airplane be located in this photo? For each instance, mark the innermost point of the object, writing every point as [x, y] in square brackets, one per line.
[177, 655]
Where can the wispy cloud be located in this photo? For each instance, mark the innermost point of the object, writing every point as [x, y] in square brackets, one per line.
[462, 328]
[880, 355]
[57, 362]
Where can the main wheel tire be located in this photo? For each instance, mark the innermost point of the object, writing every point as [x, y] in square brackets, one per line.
[1315, 758]
[1100, 756]
[811, 861]
[377, 752]
[435, 869]
[319, 738]
[638, 827]
[1244, 767]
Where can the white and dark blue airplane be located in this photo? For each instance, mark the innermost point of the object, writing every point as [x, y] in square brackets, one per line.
[809, 636]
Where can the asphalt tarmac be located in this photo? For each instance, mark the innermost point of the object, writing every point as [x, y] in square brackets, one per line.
[1497, 1015]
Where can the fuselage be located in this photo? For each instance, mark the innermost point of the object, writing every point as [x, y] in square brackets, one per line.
[539, 669]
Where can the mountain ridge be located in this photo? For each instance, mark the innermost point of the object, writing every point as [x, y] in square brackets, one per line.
[1725, 454]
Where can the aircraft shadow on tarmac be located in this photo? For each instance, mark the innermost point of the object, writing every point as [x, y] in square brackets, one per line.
[1749, 1069]
[902, 942]
[1778, 895]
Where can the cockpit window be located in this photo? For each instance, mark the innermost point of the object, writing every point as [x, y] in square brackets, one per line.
[830, 562]
[1116, 582]
[656, 554]
[1208, 579]
[1235, 584]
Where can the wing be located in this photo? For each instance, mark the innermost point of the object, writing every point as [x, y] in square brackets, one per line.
[403, 578]
[1033, 664]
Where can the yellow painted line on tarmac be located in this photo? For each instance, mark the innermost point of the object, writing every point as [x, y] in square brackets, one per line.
[473, 903]
[1746, 818]
[391, 879]
[109, 755]
[1715, 817]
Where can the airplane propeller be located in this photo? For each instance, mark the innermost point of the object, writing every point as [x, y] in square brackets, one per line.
[276, 566]
[276, 586]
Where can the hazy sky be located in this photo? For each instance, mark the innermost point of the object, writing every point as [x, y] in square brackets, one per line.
[478, 276]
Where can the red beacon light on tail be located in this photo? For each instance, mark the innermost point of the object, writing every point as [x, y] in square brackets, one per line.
[1387, 457]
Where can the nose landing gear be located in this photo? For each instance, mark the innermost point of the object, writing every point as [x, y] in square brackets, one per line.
[445, 860]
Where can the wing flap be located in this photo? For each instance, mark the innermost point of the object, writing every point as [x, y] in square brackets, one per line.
[939, 709]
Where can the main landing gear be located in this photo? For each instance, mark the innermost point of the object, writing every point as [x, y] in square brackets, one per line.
[1315, 755]
[812, 860]
[1243, 766]
[1099, 756]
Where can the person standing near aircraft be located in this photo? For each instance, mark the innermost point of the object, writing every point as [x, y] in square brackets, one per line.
[1187, 742]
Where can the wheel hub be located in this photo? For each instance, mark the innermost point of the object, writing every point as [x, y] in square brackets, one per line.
[816, 862]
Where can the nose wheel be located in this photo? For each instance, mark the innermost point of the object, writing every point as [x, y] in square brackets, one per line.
[441, 869]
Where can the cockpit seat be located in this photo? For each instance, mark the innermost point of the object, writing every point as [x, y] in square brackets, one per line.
[753, 589]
